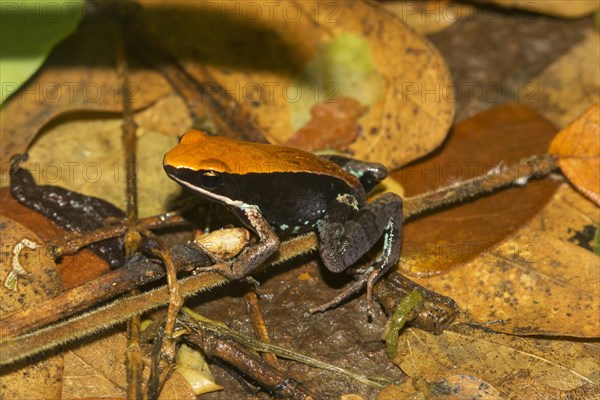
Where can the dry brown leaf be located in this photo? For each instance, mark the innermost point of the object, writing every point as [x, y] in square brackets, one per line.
[446, 238]
[558, 8]
[536, 282]
[405, 392]
[351, 397]
[464, 387]
[568, 86]
[456, 387]
[168, 115]
[578, 150]
[258, 60]
[79, 76]
[41, 380]
[523, 386]
[498, 358]
[97, 369]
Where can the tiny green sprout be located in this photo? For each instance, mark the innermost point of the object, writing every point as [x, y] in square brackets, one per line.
[399, 318]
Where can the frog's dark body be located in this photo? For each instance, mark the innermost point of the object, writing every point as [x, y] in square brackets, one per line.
[280, 196]
[276, 188]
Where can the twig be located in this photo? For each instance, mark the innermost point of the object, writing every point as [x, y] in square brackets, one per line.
[162, 364]
[186, 258]
[75, 241]
[519, 174]
[529, 168]
[258, 324]
[132, 238]
[268, 377]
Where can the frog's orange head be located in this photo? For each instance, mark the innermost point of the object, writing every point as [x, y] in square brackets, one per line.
[198, 151]
[214, 164]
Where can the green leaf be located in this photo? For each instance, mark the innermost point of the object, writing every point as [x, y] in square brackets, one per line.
[28, 31]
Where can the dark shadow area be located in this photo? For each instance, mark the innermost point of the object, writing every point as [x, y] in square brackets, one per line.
[217, 34]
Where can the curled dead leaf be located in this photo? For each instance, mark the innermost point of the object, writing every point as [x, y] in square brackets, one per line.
[578, 149]
[224, 243]
[192, 366]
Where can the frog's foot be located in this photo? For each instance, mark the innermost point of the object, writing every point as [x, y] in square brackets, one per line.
[342, 244]
[367, 279]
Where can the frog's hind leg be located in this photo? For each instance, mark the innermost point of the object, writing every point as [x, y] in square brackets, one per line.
[341, 245]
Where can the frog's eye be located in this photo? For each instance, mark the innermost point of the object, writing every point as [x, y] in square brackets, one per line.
[211, 179]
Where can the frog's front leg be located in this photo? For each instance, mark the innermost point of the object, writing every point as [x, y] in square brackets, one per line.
[253, 256]
[341, 244]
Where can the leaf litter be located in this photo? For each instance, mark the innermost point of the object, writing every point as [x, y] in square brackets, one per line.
[566, 206]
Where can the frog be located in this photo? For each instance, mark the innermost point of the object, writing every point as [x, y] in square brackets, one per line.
[278, 190]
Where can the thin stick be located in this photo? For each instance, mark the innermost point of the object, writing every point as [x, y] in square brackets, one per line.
[75, 241]
[534, 167]
[186, 258]
[258, 324]
[224, 348]
[165, 358]
[204, 97]
[519, 173]
[134, 363]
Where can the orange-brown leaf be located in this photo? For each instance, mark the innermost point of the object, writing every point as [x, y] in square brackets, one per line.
[436, 242]
[333, 126]
[578, 150]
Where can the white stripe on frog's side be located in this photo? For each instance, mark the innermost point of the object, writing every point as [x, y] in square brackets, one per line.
[226, 200]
